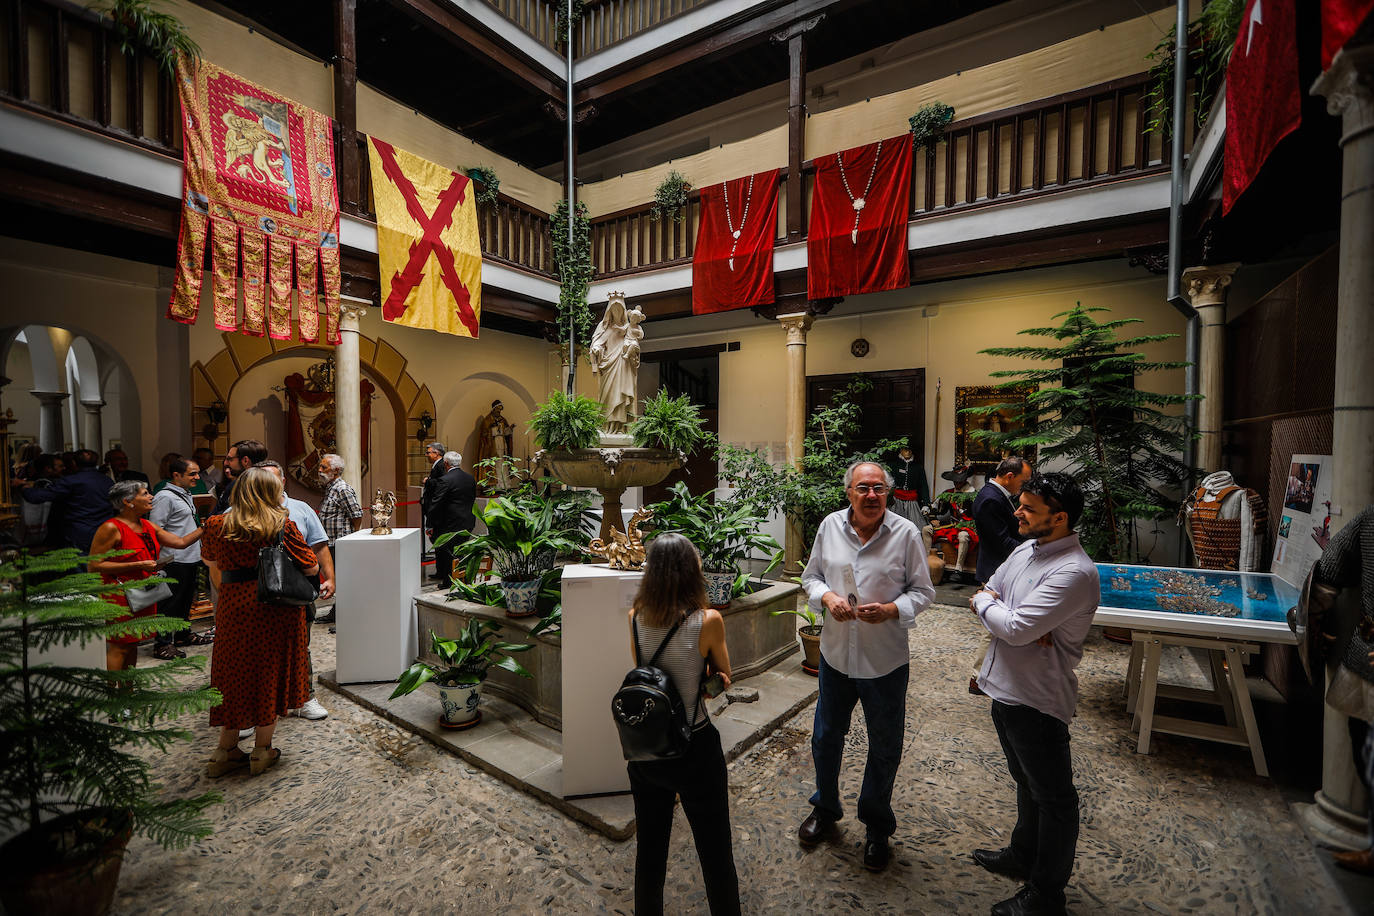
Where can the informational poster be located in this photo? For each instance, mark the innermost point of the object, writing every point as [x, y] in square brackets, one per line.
[1304, 517]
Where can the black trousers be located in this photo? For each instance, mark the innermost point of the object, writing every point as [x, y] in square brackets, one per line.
[1046, 833]
[699, 779]
[185, 578]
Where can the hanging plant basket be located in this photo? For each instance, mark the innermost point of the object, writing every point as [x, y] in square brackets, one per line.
[487, 183]
[928, 124]
[670, 198]
[141, 27]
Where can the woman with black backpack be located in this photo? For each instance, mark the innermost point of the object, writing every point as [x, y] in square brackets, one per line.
[671, 619]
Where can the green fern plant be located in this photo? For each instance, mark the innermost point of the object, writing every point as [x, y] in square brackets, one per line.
[142, 27]
[675, 424]
[564, 424]
[75, 740]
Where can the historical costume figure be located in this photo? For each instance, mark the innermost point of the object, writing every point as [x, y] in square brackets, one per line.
[614, 357]
[1226, 524]
[951, 521]
[910, 490]
[495, 435]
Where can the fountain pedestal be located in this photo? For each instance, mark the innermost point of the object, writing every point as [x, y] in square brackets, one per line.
[610, 471]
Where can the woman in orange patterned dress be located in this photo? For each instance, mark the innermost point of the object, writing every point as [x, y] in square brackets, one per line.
[259, 664]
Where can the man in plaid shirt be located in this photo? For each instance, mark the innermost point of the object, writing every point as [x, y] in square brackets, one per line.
[339, 510]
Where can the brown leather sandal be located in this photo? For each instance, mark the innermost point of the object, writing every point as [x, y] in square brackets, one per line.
[223, 761]
[263, 759]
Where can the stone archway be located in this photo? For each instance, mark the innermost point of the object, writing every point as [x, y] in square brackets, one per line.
[213, 381]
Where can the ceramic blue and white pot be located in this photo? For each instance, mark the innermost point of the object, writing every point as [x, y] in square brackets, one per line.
[460, 703]
[718, 586]
[520, 597]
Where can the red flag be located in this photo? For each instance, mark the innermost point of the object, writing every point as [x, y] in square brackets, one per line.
[1340, 20]
[859, 208]
[732, 266]
[1263, 96]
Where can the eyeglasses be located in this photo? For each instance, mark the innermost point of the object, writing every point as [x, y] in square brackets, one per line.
[876, 489]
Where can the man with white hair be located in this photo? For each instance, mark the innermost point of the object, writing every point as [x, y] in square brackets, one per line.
[339, 510]
[450, 509]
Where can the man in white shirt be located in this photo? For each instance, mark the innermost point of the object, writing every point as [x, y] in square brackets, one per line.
[1038, 606]
[175, 512]
[868, 572]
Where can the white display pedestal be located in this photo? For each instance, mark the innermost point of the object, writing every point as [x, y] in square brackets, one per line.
[377, 577]
[596, 657]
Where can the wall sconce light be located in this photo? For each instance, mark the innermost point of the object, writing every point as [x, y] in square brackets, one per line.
[426, 422]
[217, 414]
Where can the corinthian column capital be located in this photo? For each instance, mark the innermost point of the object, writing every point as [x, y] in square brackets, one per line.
[1207, 285]
[796, 327]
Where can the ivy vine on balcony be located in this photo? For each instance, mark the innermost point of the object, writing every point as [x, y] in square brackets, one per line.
[564, 25]
[670, 198]
[928, 124]
[1211, 36]
[572, 262]
[140, 27]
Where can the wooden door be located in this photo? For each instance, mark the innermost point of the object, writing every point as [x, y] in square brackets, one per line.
[894, 408]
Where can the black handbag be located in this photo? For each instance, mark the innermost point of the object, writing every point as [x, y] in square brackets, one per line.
[280, 580]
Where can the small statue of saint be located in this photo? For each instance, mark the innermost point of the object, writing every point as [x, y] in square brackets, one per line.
[495, 435]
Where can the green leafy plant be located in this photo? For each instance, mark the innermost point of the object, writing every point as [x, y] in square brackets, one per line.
[722, 532]
[142, 27]
[572, 265]
[524, 537]
[670, 198]
[465, 660]
[487, 183]
[565, 424]
[814, 619]
[79, 738]
[1088, 418]
[928, 124]
[563, 25]
[486, 592]
[675, 424]
[1211, 37]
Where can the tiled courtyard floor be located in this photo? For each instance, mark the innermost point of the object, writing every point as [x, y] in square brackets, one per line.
[363, 817]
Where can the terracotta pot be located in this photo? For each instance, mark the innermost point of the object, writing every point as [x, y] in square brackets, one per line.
[811, 649]
[937, 568]
[31, 882]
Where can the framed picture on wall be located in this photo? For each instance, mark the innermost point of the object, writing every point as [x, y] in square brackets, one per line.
[979, 455]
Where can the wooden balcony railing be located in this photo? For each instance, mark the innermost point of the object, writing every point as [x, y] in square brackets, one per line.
[603, 22]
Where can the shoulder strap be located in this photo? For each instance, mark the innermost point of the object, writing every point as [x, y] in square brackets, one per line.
[634, 629]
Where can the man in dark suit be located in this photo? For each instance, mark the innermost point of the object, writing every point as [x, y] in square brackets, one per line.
[994, 515]
[83, 498]
[448, 508]
[118, 464]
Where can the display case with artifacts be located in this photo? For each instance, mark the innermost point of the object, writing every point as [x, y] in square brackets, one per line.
[974, 452]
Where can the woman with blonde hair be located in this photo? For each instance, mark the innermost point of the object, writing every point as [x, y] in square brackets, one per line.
[259, 664]
[672, 610]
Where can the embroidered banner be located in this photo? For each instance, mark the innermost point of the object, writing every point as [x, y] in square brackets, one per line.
[859, 207]
[259, 188]
[428, 248]
[732, 266]
[310, 420]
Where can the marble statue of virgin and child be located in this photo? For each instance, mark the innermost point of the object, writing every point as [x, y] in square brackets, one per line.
[614, 355]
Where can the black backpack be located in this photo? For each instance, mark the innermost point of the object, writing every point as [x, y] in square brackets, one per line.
[648, 709]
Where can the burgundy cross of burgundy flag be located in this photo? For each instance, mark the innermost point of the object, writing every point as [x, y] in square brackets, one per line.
[1263, 96]
[732, 266]
[859, 207]
[1340, 20]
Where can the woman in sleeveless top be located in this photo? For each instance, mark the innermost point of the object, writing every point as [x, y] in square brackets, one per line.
[673, 591]
[131, 531]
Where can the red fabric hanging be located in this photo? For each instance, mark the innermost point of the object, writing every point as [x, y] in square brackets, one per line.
[1263, 95]
[1341, 19]
[728, 272]
[840, 260]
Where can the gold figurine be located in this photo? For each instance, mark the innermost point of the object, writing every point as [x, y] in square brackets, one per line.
[626, 550]
[383, 505]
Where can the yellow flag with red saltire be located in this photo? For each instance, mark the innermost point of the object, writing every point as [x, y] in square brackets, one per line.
[427, 243]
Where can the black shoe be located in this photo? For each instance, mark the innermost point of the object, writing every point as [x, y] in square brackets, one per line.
[876, 853]
[333, 630]
[1001, 862]
[327, 618]
[815, 828]
[973, 687]
[1028, 902]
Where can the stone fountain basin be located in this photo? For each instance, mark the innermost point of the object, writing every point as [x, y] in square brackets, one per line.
[611, 468]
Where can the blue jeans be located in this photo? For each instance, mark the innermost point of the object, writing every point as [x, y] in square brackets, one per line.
[884, 703]
[1046, 833]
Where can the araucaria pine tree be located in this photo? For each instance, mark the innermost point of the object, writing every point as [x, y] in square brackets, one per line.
[1088, 418]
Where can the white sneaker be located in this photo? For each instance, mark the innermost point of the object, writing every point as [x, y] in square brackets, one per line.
[311, 710]
[246, 733]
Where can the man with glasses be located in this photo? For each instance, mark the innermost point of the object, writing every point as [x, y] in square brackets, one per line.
[1038, 606]
[868, 572]
[174, 511]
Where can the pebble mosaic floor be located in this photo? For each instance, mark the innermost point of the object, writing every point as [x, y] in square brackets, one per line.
[361, 817]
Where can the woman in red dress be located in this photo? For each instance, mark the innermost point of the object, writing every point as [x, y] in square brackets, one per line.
[259, 664]
[131, 531]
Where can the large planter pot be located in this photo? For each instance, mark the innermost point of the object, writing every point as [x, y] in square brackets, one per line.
[84, 886]
[460, 705]
[718, 586]
[811, 649]
[521, 597]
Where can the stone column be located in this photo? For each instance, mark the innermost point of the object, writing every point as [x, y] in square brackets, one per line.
[1340, 809]
[91, 436]
[796, 325]
[348, 421]
[50, 419]
[1206, 288]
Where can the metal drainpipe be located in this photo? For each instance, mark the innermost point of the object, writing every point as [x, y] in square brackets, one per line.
[1175, 295]
[572, 203]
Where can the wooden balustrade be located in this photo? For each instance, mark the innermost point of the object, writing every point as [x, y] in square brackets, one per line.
[603, 22]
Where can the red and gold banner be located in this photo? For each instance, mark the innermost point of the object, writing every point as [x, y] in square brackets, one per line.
[259, 188]
[428, 248]
[732, 266]
[859, 211]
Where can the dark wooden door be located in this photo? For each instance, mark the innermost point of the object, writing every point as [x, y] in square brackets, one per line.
[696, 375]
[894, 408]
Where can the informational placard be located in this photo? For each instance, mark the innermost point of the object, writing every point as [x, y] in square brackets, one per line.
[1304, 517]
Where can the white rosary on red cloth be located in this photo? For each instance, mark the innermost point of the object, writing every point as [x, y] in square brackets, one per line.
[730, 223]
[858, 202]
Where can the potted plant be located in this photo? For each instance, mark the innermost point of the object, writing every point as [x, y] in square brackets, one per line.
[673, 424]
[670, 197]
[723, 532]
[564, 424]
[928, 124]
[69, 770]
[809, 635]
[487, 182]
[462, 667]
[525, 535]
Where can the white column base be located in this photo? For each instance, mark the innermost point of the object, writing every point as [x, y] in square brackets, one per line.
[377, 578]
